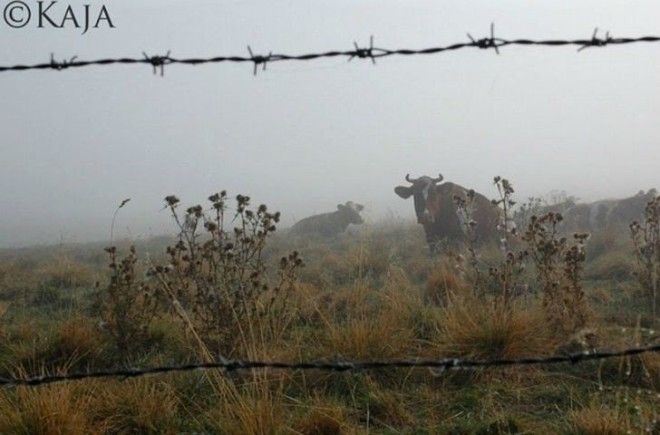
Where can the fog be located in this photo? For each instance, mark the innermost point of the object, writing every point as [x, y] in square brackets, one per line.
[304, 136]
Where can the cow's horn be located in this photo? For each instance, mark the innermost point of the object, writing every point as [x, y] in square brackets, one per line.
[439, 179]
[410, 180]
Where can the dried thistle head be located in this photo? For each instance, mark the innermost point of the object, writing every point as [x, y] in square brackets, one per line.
[172, 200]
[195, 211]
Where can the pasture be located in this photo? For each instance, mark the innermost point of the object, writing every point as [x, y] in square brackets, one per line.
[220, 287]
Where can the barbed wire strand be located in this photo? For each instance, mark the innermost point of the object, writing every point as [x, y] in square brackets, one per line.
[339, 366]
[158, 62]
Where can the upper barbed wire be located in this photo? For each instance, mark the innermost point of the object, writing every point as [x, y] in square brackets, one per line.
[338, 366]
[158, 62]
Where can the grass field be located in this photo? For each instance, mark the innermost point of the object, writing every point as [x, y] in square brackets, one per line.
[373, 293]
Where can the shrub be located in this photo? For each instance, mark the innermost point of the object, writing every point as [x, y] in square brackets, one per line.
[219, 283]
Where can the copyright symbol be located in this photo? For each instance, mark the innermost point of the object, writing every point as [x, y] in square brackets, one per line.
[17, 14]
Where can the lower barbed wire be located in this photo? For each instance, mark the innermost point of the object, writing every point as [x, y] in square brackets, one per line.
[439, 365]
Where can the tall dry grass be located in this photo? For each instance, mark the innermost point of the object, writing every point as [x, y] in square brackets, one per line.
[51, 410]
[594, 420]
[475, 329]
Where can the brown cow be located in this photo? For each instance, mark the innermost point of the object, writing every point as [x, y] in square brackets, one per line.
[438, 214]
[330, 224]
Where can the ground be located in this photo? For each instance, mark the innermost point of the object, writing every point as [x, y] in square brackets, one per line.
[373, 293]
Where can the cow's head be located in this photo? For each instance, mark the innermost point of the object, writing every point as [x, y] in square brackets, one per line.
[351, 211]
[419, 190]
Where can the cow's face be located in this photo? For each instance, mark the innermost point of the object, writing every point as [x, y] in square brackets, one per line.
[351, 211]
[419, 190]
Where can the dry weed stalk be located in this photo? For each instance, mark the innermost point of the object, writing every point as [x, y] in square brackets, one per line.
[646, 239]
[533, 207]
[127, 305]
[559, 266]
[465, 209]
[505, 202]
[505, 276]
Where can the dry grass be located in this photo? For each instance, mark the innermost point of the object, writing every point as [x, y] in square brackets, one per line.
[367, 324]
[596, 421]
[611, 265]
[388, 409]
[478, 329]
[373, 298]
[368, 338]
[256, 407]
[16, 278]
[443, 284]
[320, 421]
[78, 337]
[50, 410]
[136, 406]
[62, 272]
[74, 343]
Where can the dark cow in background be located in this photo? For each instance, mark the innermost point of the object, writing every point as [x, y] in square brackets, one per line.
[599, 215]
[330, 224]
[437, 212]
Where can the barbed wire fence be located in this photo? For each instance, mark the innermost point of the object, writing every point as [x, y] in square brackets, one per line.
[339, 366]
[371, 52]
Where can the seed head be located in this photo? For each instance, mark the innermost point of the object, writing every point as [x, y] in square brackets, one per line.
[171, 200]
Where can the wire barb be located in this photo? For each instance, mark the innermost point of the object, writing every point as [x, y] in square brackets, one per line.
[259, 60]
[488, 42]
[596, 41]
[364, 53]
[158, 62]
[59, 66]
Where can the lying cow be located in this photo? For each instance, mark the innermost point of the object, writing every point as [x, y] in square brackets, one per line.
[330, 224]
[437, 212]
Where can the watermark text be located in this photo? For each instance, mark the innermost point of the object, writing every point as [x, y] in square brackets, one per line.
[54, 14]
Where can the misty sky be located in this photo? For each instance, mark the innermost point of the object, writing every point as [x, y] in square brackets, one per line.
[302, 137]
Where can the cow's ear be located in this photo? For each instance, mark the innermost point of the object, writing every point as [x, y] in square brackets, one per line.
[403, 192]
[341, 207]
